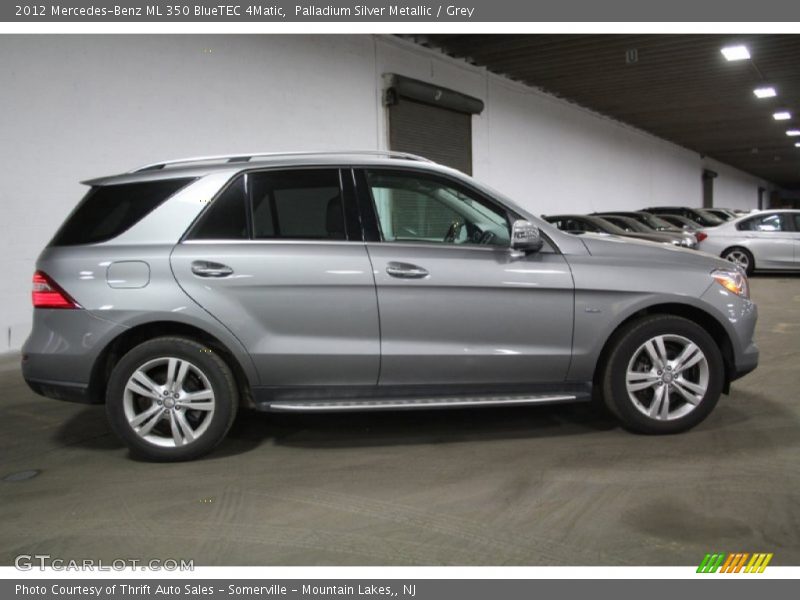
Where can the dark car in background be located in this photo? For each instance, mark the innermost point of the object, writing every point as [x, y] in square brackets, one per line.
[726, 214]
[682, 222]
[631, 225]
[591, 224]
[698, 215]
[645, 218]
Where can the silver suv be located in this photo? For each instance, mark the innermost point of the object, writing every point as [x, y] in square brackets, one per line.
[180, 291]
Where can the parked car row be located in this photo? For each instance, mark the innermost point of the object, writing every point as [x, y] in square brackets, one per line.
[639, 225]
[763, 240]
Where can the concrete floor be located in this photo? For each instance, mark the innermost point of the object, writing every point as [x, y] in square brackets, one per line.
[521, 486]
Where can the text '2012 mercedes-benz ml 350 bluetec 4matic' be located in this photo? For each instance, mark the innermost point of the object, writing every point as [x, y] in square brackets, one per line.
[180, 291]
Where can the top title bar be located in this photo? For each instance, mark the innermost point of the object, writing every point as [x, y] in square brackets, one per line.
[146, 11]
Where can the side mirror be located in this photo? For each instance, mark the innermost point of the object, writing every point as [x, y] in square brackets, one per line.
[525, 237]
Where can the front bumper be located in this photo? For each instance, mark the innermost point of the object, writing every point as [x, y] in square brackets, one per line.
[745, 362]
[739, 316]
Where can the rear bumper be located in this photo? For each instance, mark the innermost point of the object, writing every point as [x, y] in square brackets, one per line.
[61, 351]
[61, 390]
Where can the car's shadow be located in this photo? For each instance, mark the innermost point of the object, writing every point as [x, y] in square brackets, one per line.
[88, 429]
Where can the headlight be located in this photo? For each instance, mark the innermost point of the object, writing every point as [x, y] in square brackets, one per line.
[733, 281]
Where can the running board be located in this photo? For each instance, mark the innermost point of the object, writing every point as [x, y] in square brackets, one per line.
[416, 403]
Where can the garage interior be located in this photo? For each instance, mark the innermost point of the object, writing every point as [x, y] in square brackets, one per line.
[585, 122]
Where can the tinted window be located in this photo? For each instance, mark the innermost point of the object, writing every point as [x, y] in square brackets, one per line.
[772, 222]
[226, 218]
[109, 210]
[301, 204]
[619, 223]
[580, 226]
[413, 207]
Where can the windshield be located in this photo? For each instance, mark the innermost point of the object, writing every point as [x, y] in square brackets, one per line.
[706, 218]
[658, 223]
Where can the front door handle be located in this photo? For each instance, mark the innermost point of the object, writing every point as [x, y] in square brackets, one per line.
[203, 268]
[406, 270]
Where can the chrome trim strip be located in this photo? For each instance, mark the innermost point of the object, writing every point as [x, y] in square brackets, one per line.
[277, 241]
[346, 405]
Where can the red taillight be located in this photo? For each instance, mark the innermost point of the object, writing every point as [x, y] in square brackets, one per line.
[47, 294]
[700, 236]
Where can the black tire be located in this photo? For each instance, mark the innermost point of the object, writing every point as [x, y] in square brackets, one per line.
[751, 262]
[626, 347]
[206, 363]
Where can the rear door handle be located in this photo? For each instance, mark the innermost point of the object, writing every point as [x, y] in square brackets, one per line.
[203, 268]
[406, 270]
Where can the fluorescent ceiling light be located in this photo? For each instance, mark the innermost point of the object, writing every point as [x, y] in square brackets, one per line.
[793, 132]
[765, 92]
[783, 115]
[797, 145]
[732, 53]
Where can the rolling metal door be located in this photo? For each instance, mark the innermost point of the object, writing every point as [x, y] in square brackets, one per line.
[437, 133]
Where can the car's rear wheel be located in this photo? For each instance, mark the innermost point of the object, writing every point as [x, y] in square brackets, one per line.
[664, 375]
[171, 399]
[741, 257]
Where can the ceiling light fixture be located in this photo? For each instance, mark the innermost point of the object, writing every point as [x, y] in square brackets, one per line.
[765, 92]
[793, 132]
[783, 115]
[733, 53]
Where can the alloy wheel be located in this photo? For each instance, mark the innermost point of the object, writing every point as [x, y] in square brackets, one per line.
[739, 258]
[667, 377]
[169, 402]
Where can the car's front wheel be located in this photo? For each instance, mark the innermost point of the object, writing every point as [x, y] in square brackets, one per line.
[171, 399]
[664, 374]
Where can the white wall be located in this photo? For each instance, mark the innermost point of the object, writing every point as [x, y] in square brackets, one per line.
[735, 189]
[74, 107]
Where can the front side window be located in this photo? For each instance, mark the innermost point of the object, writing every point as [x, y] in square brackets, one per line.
[415, 207]
[772, 222]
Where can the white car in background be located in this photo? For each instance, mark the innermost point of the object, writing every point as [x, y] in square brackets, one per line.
[766, 240]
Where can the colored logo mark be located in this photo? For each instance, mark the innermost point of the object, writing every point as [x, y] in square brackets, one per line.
[735, 562]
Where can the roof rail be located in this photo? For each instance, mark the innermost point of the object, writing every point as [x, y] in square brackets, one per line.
[248, 156]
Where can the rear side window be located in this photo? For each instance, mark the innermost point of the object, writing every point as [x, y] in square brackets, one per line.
[297, 205]
[226, 218]
[769, 222]
[109, 210]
